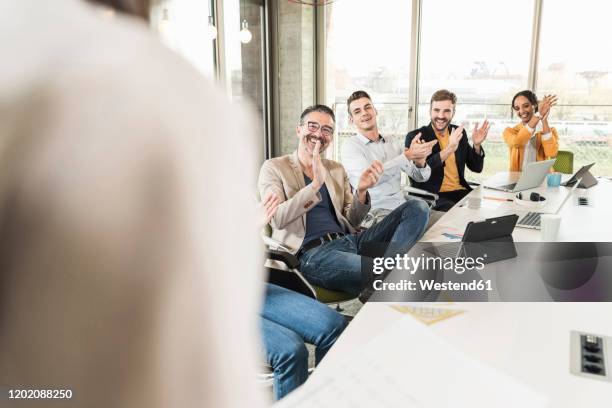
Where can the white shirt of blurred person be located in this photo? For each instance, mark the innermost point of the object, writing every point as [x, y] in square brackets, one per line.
[368, 145]
[121, 210]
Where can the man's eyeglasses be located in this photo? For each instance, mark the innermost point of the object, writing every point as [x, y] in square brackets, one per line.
[327, 131]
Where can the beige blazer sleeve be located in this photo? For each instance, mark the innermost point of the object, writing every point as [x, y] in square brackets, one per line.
[271, 178]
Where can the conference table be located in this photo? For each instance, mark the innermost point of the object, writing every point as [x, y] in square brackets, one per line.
[528, 341]
[590, 223]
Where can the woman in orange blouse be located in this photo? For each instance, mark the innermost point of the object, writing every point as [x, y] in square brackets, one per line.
[532, 139]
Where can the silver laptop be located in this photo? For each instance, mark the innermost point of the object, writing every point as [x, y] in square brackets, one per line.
[532, 176]
[532, 219]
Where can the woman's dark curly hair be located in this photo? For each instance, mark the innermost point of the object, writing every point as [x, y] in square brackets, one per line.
[531, 97]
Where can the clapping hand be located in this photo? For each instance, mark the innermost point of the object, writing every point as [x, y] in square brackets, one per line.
[419, 150]
[268, 206]
[545, 104]
[454, 138]
[318, 171]
[368, 179]
[480, 134]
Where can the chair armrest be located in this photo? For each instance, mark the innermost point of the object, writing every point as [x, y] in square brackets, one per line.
[274, 244]
[292, 280]
[290, 260]
[409, 190]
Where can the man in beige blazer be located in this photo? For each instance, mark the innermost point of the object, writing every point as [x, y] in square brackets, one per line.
[320, 212]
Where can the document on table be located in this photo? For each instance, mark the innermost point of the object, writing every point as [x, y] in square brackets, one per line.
[410, 366]
[426, 314]
[445, 233]
[474, 203]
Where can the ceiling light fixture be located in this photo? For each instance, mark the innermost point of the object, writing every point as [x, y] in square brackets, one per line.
[245, 33]
[211, 30]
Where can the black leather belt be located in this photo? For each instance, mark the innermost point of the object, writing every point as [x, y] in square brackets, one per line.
[319, 241]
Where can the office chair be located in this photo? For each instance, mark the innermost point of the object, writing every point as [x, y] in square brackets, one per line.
[564, 162]
[283, 270]
[429, 198]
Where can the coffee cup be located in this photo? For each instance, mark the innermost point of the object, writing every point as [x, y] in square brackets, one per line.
[549, 225]
[553, 179]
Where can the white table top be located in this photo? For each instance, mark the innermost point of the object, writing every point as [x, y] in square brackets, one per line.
[592, 223]
[528, 341]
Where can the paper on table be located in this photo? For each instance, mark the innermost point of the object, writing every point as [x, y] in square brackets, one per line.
[475, 203]
[426, 314]
[446, 233]
[409, 366]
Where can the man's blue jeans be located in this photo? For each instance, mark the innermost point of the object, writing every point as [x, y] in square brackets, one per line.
[288, 320]
[338, 264]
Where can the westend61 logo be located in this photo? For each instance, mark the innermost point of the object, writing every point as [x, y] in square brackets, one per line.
[413, 264]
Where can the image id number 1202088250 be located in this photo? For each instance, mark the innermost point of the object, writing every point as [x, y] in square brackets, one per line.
[39, 394]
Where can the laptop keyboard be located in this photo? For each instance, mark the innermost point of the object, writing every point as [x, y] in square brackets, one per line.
[450, 250]
[530, 220]
[508, 186]
[446, 250]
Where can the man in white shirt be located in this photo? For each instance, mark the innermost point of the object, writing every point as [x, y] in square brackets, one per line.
[368, 145]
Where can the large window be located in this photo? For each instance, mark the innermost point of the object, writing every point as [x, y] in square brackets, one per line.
[243, 62]
[368, 48]
[484, 52]
[483, 60]
[401, 52]
[184, 26]
[576, 64]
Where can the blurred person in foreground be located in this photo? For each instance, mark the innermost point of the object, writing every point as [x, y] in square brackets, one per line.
[118, 271]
